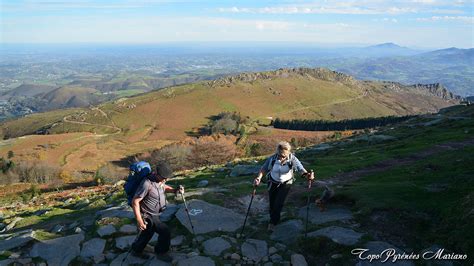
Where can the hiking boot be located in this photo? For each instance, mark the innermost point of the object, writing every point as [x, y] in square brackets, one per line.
[140, 255]
[271, 227]
[164, 257]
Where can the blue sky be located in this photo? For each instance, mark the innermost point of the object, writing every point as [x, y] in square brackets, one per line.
[414, 23]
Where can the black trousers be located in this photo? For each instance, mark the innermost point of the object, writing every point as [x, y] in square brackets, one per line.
[154, 225]
[277, 194]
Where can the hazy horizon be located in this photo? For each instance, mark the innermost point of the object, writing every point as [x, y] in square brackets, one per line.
[410, 23]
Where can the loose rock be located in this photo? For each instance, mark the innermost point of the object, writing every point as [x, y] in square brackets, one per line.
[124, 242]
[178, 240]
[17, 241]
[58, 251]
[215, 246]
[93, 247]
[128, 229]
[288, 231]
[299, 260]
[241, 170]
[197, 260]
[254, 249]
[106, 230]
[340, 235]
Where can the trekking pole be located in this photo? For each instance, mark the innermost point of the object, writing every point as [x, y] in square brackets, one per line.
[248, 210]
[130, 249]
[189, 216]
[310, 182]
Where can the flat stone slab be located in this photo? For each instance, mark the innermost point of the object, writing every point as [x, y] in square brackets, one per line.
[128, 229]
[208, 217]
[254, 249]
[118, 211]
[197, 260]
[58, 251]
[376, 248]
[340, 235]
[330, 215]
[241, 170]
[215, 246]
[288, 231]
[259, 204]
[93, 248]
[124, 242]
[106, 230]
[17, 241]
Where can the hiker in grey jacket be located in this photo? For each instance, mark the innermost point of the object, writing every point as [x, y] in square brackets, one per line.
[280, 168]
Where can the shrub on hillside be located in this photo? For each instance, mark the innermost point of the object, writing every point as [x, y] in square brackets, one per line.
[107, 174]
[175, 154]
[35, 172]
[210, 150]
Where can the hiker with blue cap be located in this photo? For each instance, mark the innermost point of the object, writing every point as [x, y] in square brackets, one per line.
[148, 201]
[280, 168]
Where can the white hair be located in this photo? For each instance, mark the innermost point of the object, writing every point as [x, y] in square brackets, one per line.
[283, 145]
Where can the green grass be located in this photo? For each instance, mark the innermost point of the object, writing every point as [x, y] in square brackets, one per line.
[407, 190]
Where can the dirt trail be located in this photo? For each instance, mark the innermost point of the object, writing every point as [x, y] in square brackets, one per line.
[113, 126]
[392, 163]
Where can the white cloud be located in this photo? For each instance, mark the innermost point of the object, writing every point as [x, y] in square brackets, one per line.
[353, 7]
[465, 19]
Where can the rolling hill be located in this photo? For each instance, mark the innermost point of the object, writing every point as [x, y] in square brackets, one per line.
[116, 129]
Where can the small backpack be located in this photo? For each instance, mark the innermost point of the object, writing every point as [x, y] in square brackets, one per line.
[290, 163]
[138, 171]
[275, 157]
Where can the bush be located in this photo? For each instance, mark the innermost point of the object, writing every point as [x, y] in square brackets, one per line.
[107, 174]
[175, 154]
[213, 150]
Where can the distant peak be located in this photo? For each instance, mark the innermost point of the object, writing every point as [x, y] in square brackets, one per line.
[386, 45]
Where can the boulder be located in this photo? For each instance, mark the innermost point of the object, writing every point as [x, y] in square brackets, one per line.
[288, 231]
[330, 215]
[208, 217]
[340, 235]
[215, 246]
[178, 240]
[106, 230]
[298, 259]
[254, 249]
[124, 242]
[196, 260]
[17, 241]
[128, 229]
[58, 251]
[202, 183]
[93, 248]
[241, 170]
